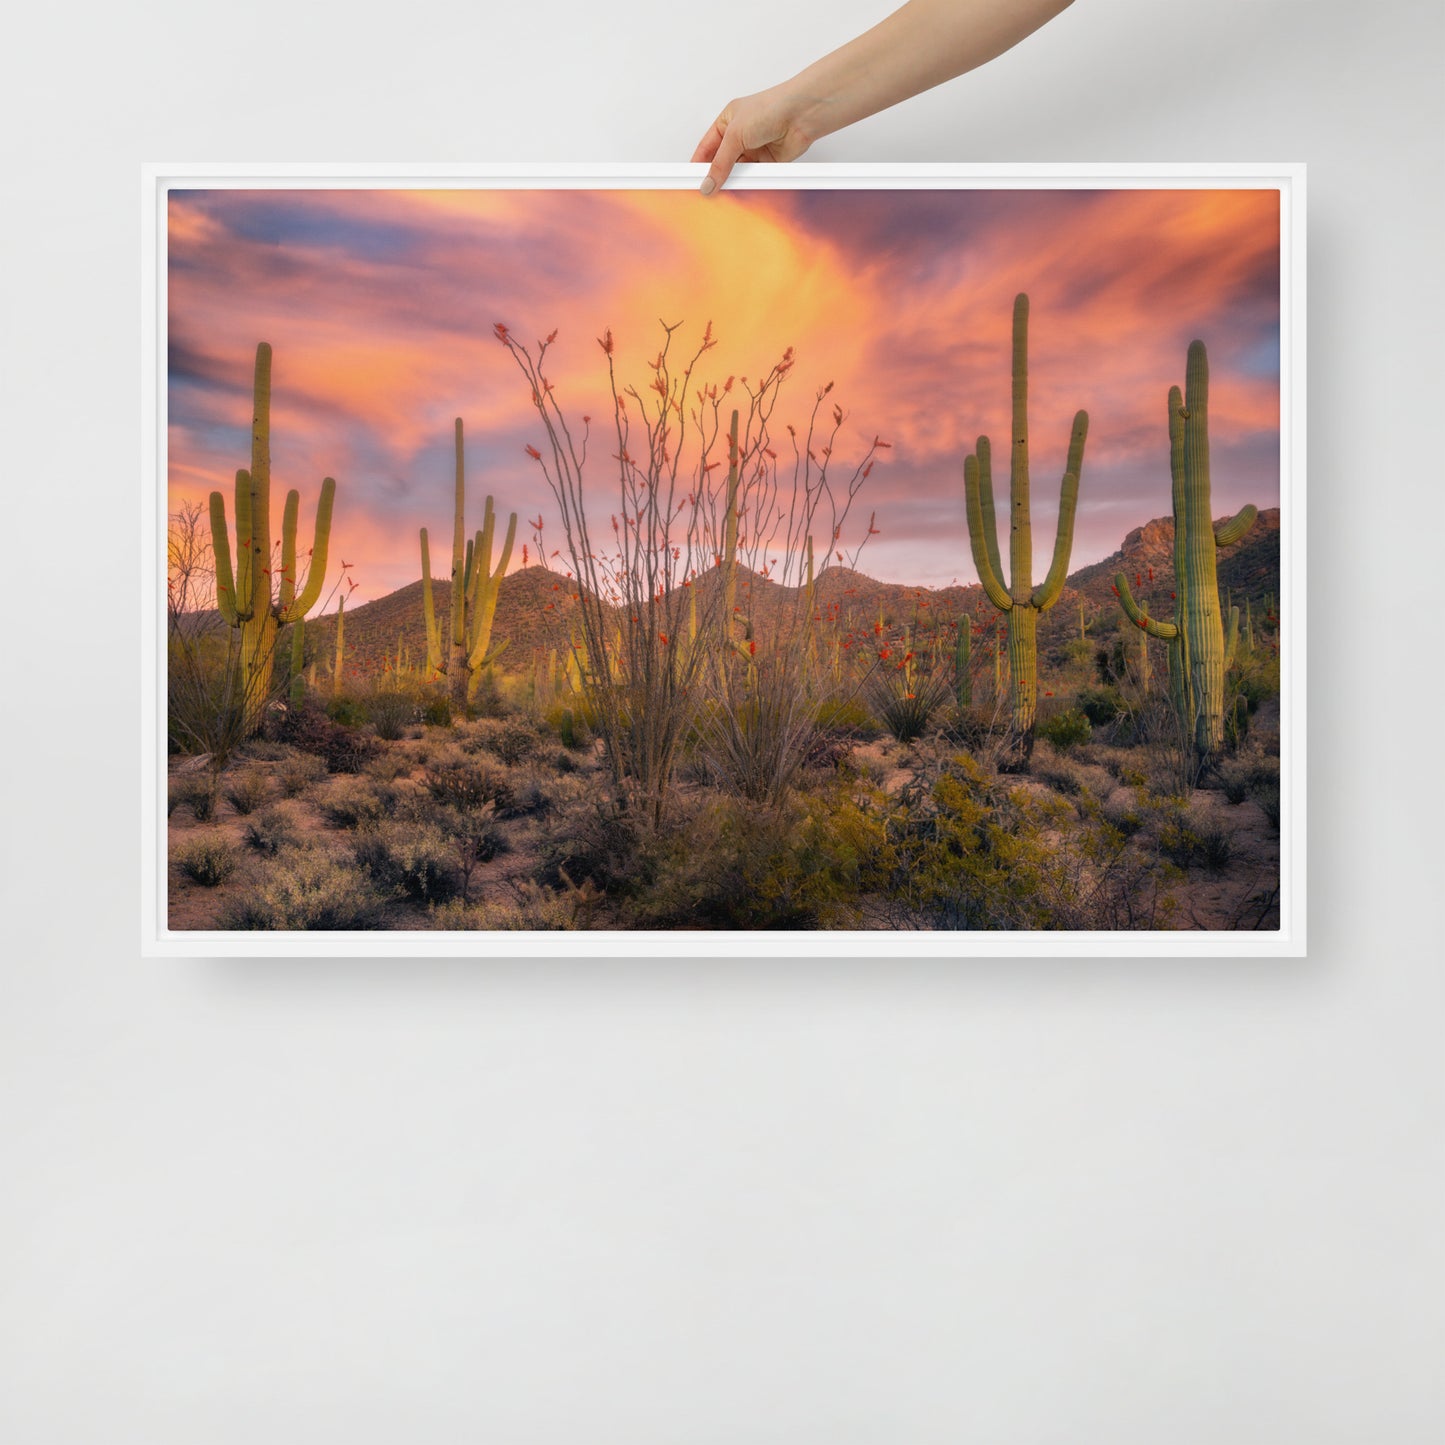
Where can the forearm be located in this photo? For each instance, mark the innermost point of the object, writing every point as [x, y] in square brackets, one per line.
[921, 45]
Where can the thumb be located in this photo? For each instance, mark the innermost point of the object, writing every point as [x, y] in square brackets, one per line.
[729, 150]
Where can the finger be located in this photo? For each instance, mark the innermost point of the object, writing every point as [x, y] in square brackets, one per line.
[707, 146]
[728, 153]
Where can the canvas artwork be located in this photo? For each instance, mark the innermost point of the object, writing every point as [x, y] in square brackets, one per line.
[868, 560]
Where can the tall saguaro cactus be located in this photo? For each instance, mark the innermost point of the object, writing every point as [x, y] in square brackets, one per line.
[1199, 651]
[1022, 601]
[475, 589]
[244, 595]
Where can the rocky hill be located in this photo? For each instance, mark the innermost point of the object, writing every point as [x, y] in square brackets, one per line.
[536, 605]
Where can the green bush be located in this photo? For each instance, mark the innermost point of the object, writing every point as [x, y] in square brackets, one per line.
[350, 712]
[436, 710]
[207, 861]
[305, 888]
[1101, 705]
[1065, 729]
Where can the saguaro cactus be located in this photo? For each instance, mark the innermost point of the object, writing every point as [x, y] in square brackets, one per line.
[244, 596]
[340, 648]
[475, 588]
[962, 658]
[1022, 602]
[1199, 652]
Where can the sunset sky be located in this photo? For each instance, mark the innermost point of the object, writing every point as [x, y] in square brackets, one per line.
[380, 307]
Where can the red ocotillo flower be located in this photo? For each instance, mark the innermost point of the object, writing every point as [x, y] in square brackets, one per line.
[605, 341]
[533, 452]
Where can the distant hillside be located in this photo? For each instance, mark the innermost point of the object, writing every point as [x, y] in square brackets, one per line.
[535, 605]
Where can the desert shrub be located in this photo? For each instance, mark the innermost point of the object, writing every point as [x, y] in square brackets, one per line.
[1191, 839]
[847, 717]
[962, 850]
[436, 710]
[1058, 773]
[1242, 777]
[904, 703]
[741, 864]
[388, 765]
[970, 728]
[299, 772]
[1065, 729]
[1121, 810]
[1101, 705]
[207, 861]
[354, 802]
[517, 738]
[463, 783]
[196, 791]
[345, 749]
[271, 829]
[391, 711]
[1078, 650]
[350, 712]
[1267, 796]
[410, 862]
[559, 759]
[247, 790]
[594, 841]
[533, 908]
[305, 888]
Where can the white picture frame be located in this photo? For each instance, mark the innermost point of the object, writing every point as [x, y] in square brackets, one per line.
[1288, 180]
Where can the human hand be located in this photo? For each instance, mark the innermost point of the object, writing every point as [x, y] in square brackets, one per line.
[761, 127]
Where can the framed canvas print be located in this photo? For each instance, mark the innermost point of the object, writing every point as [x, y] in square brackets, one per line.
[874, 560]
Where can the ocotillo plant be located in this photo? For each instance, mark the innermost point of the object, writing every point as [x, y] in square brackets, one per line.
[704, 506]
[244, 597]
[1023, 602]
[475, 588]
[1198, 653]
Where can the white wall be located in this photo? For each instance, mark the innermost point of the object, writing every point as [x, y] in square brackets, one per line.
[763, 1201]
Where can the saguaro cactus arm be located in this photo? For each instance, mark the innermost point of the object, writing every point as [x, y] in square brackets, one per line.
[302, 602]
[1227, 533]
[1164, 631]
[289, 515]
[990, 521]
[434, 658]
[979, 532]
[1049, 590]
[221, 548]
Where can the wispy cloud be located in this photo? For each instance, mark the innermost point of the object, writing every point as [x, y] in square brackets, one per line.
[380, 305]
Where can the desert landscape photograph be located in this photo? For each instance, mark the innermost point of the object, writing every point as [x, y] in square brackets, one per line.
[822, 559]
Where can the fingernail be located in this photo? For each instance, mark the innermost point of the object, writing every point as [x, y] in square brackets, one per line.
[708, 185]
